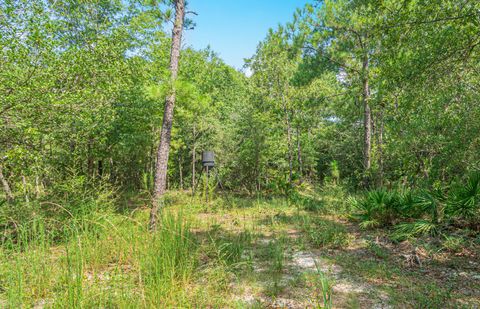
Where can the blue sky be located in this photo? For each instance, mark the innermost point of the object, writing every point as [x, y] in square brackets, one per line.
[233, 28]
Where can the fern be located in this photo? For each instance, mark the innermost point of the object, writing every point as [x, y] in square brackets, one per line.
[414, 229]
[377, 208]
[465, 201]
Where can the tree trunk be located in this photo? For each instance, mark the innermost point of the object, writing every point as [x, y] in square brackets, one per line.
[289, 141]
[165, 134]
[6, 186]
[25, 189]
[299, 154]
[100, 168]
[380, 148]
[180, 170]
[37, 187]
[367, 123]
[90, 163]
[194, 159]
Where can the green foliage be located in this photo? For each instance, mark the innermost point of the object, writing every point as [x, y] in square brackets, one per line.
[324, 285]
[464, 203]
[414, 229]
[231, 251]
[324, 233]
[419, 213]
[170, 258]
[453, 243]
[109, 266]
[81, 83]
[377, 208]
[75, 203]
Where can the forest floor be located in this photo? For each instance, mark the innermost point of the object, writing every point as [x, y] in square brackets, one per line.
[242, 253]
[290, 251]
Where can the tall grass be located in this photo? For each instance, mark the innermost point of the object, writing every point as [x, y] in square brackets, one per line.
[107, 260]
[169, 261]
[324, 289]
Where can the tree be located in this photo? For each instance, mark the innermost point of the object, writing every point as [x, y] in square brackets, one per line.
[166, 131]
[273, 68]
[342, 33]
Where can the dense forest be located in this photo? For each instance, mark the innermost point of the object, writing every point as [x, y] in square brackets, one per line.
[355, 125]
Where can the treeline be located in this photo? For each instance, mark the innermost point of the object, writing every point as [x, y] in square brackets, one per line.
[385, 92]
[83, 87]
[367, 93]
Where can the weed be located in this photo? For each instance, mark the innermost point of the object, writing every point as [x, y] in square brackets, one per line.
[323, 290]
[453, 243]
[276, 256]
[233, 250]
[325, 233]
[378, 250]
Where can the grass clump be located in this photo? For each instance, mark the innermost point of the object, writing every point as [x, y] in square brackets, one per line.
[453, 243]
[169, 260]
[119, 263]
[325, 233]
[232, 251]
[323, 290]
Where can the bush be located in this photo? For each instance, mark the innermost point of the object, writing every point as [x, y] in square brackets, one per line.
[415, 213]
[377, 208]
[464, 204]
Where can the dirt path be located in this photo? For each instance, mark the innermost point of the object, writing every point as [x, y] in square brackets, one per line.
[288, 254]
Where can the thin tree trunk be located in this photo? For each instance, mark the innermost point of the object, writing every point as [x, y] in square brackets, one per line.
[151, 170]
[6, 186]
[180, 171]
[380, 148]
[165, 134]
[37, 187]
[25, 189]
[112, 170]
[194, 159]
[100, 168]
[90, 163]
[367, 123]
[299, 154]
[289, 141]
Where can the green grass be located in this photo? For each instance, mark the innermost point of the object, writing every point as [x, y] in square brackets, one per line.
[223, 255]
[325, 233]
[120, 263]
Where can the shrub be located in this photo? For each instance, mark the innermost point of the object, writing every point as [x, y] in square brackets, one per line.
[430, 204]
[420, 212]
[76, 203]
[377, 208]
[413, 229]
[334, 199]
[464, 204]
